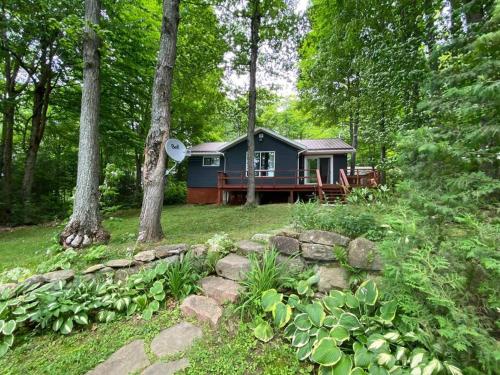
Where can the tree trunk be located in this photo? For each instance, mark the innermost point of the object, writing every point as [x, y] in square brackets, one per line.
[252, 103]
[38, 121]
[354, 141]
[84, 227]
[154, 154]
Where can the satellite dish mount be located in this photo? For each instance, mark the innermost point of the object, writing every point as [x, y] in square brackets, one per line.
[176, 151]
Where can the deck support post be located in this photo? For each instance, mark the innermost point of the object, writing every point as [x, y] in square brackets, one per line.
[290, 197]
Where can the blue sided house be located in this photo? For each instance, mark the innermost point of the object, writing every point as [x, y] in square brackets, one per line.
[285, 169]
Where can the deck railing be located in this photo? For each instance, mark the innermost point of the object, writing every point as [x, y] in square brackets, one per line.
[344, 182]
[363, 178]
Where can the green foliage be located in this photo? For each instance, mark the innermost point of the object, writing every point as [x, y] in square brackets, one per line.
[341, 331]
[95, 253]
[109, 189]
[58, 261]
[175, 193]
[14, 275]
[265, 273]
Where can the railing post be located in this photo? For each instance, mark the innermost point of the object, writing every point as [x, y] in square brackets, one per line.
[320, 185]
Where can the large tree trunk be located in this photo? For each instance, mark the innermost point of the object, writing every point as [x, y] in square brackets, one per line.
[154, 154]
[252, 102]
[84, 227]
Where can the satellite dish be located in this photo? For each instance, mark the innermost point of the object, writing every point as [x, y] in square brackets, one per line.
[175, 150]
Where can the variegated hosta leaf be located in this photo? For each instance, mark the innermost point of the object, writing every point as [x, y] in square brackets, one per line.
[388, 311]
[357, 371]
[326, 352]
[340, 334]
[401, 354]
[362, 357]
[392, 336]
[343, 366]
[374, 369]
[67, 326]
[9, 327]
[376, 343]
[302, 322]
[293, 300]
[300, 338]
[316, 313]
[290, 331]
[349, 321]
[433, 367]
[269, 299]
[330, 321]
[351, 301]
[367, 293]
[281, 314]
[386, 360]
[416, 359]
[334, 300]
[452, 369]
[322, 332]
[263, 332]
[305, 351]
[302, 287]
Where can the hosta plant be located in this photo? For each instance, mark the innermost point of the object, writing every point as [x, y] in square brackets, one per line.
[347, 333]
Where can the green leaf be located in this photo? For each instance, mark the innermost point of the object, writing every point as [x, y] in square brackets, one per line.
[351, 301]
[322, 332]
[374, 369]
[362, 357]
[281, 314]
[161, 268]
[157, 288]
[326, 352]
[269, 299]
[388, 311]
[293, 300]
[349, 321]
[9, 327]
[357, 371]
[302, 287]
[154, 306]
[290, 331]
[305, 351]
[263, 332]
[330, 321]
[67, 326]
[82, 319]
[340, 334]
[300, 338]
[4, 348]
[452, 369]
[302, 322]
[9, 339]
[159, 297]
[56, 326]
[343, 366]
[316, 313]
[367, 293]
[377, 343]
[2, 322]
[147, 314]
[339, 297]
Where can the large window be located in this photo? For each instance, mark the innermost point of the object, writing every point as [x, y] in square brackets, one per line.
[264, 162]
[211, 161]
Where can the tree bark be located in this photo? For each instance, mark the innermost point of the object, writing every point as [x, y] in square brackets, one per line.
[252, 102]
[84, 227]
[154, 155]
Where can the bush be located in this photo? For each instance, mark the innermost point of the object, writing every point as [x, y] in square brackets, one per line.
[175, 192]
[14, 275]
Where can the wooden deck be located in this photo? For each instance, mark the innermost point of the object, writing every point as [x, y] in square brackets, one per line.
[302, 181]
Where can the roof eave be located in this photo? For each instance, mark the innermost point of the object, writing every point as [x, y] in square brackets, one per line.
[269, 132]
[329, 151]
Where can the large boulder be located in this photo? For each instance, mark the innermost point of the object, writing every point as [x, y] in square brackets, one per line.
[318, 252]
[363, 254]
[169, 250]
[285, 245]
[334, 277]
[175, 339]
[323, 238]
[129, 359]
[233, 267]
[250, 247]
[220, 289]
[62, 275]
[203, 308]
[145, 256]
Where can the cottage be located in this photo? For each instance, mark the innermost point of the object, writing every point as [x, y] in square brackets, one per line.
[285, 169]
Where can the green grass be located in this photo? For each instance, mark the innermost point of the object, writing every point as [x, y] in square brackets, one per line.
[25, 247]
[231, 349]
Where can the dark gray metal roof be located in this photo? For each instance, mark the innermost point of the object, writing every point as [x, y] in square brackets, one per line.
[327, 145]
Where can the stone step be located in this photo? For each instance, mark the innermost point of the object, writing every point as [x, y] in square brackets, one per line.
[167, 368]
[249, 247]
[232, 267]
[220, 289]
[129, 359]
[175, 339]
[205, 309]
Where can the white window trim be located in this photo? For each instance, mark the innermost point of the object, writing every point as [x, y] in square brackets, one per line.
[261, 170]
[210, 165]
[319, 156]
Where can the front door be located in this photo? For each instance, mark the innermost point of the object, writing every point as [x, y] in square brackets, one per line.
[312, 163]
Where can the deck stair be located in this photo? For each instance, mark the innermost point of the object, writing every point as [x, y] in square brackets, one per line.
[333, 193]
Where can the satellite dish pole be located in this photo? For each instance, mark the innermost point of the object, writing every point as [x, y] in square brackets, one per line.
[176, 151]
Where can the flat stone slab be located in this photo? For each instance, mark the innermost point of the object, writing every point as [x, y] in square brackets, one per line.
[94, 268]
[285, 245]
[261, 237]
[232, 267]
[169, 250]
[120, 263]
[130, 358]
[334, 277]
[199, 250]
[167, 368]
[248, 247]
[296, 263]
[363, 253]
[316, 251]
[59, 275]
[220, 289]
[145, 256]
[175, 339]
[288, 232]
[205, 309]
[35, 279]
[323, 238]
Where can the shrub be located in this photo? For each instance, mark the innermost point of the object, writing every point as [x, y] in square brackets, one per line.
[58, 261]
[95, 253]
[176, 192]
[14, 275]
[347, 333]
[110, 188]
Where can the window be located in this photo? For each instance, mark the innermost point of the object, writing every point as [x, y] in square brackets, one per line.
[211, 161]
[263, 163]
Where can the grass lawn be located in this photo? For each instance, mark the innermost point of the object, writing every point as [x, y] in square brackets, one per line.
[25, 247]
